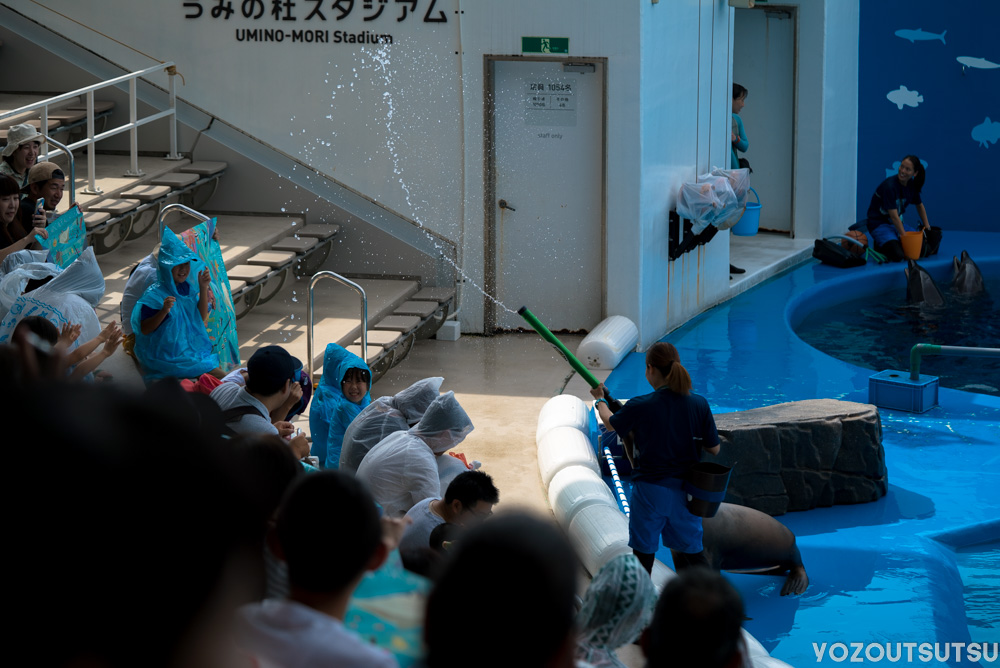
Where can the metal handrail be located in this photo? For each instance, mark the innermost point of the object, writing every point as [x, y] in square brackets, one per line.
[310, 325]
[132, 126]
[183, 209]
[954, 351]
[72, 167]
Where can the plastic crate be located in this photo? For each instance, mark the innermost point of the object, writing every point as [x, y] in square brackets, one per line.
[894, 390]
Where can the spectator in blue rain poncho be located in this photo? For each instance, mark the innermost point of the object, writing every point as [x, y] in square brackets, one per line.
[343, 391]
[169, 318]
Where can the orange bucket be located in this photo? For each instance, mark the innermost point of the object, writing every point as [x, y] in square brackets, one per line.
[912, 244]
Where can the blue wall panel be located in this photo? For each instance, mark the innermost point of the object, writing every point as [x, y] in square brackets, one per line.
[938, 105]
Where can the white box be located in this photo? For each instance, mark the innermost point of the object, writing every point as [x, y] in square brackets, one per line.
[451, 330]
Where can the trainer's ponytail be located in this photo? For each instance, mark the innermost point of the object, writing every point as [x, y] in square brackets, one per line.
[664, 358]
[919, 173]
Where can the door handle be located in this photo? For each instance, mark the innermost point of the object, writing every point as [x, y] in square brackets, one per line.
[503, 205]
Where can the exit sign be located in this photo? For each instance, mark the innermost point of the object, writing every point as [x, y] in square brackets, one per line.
[545, 45]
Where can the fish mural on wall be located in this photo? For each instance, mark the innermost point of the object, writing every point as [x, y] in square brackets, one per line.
[986, 133]
[903, 96]
[919, 35]
[978, 63]
[895, 168]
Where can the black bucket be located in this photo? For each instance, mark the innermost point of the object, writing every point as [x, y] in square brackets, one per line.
[705, 485]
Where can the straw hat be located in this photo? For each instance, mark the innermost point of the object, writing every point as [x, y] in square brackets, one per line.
[20, 134]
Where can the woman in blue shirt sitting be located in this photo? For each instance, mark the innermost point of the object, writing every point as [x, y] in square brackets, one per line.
[891, 198]
[669, 429]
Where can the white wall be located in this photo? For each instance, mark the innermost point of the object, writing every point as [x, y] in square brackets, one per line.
[668, 88]
[685, 119]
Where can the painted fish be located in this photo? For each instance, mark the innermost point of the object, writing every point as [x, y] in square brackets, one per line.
[920, 35]
[978, 63]
[920, 287]
[903, 96]
[986, 133]
[967, 279]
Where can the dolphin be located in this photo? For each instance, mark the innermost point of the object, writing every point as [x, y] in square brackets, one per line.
[739, 538]
[920, 35]
[978, 63]
[968, 280]
[920, 287]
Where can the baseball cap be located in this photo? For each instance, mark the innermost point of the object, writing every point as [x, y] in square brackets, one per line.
[44, 171]
[269, 368]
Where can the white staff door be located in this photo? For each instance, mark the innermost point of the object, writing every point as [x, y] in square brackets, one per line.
[545, 213]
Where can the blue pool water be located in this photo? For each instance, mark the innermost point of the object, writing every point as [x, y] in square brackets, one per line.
[920, 565]
[877, 331]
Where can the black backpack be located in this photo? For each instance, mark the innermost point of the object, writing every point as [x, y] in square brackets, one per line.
[835, 255]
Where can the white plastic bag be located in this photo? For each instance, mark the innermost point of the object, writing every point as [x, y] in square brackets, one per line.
[69, 298]
[739, 181]
[698, 203]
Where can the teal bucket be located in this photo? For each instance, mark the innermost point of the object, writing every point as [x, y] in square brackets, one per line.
[750, 220]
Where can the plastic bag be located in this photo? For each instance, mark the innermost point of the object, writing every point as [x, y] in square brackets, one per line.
[710, 201]
[739, 181]
[69, 298]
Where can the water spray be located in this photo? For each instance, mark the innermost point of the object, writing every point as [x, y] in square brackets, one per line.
[577, 365]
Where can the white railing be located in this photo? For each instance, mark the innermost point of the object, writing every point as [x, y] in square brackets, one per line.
[131, 127]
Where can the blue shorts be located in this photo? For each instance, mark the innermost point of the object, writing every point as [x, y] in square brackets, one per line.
[661, 510]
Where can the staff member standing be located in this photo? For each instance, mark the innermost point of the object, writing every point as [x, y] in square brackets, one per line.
[669, 428]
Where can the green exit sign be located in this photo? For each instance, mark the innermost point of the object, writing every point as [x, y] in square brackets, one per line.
[545, 45]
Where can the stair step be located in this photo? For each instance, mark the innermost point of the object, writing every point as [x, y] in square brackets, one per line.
[33, 122]
[294, 245]
[419, 309]
[236, 286]
[204, 167]
[251, 273]
[382, 338]
[146, 192]
[438, 295]
[99, 106]
[321, 232]
[174, 179]
[398, 323]
[374, 352]
[94, 218]
[114, 206]
[67, 117]
[271, 259]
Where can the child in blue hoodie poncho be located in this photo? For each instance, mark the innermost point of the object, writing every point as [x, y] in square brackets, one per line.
[169, 318]
[342, 393]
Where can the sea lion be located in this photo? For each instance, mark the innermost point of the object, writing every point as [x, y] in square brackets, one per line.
[920, 287]
[968, 280]
[743, 539]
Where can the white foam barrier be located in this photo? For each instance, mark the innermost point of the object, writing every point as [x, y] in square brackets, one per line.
[564, 410]
[599, 533]
[573, 489]
[561, 447]
[608, 343]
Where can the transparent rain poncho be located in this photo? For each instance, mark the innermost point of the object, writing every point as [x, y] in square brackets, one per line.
[618, 605]
[402, 471]
[144, 276]
[180, 346]
[384, 416]
[69, 298]
[331, 412]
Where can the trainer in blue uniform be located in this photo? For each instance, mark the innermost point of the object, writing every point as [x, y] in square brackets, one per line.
[342, 393]
[669, 428]
[885, 212]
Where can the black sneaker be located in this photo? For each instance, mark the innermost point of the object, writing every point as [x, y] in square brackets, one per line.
[733, 269]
